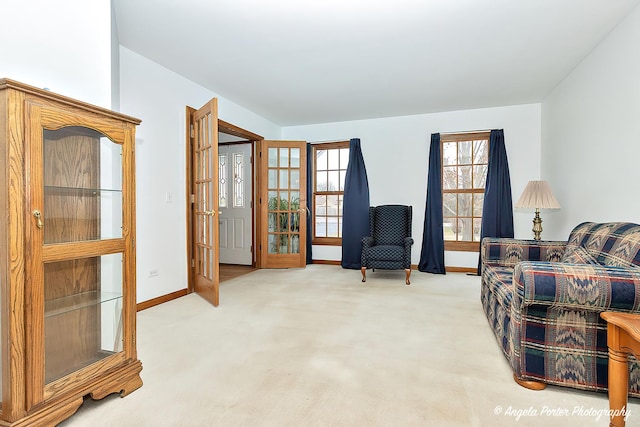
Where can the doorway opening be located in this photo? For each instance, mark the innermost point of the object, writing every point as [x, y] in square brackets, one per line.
[231, 271]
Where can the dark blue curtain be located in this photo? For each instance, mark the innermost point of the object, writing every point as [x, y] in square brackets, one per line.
[432, 253]
[497, 210]
[309, 203]
[355, 207]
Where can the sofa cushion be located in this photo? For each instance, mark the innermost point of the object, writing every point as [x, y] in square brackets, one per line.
[614, 244]
[575, 254]
[508, 252]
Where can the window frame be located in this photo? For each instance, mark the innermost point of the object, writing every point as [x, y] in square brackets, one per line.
[457, 245]
[328, 241]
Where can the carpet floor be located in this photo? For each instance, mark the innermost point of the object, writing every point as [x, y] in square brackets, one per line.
[316, 347]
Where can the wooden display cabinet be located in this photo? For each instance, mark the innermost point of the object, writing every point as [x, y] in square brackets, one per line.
[67, 258]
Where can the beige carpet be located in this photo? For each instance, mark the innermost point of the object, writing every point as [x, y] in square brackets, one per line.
[316, 347]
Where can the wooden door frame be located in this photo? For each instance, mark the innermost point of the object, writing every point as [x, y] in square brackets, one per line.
[228, 128]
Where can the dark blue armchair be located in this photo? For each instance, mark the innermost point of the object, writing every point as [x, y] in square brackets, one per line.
[389, 245]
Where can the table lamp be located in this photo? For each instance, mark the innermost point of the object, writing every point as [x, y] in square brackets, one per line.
[537, 195]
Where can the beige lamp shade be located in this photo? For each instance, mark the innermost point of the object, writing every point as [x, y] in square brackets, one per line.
[538, 195]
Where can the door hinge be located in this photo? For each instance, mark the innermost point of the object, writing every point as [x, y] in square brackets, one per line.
[133, 243]
[251, 204]
[191, 133]
[193, 262]
[192, 198]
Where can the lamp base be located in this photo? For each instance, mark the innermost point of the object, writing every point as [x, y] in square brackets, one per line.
[537, 226]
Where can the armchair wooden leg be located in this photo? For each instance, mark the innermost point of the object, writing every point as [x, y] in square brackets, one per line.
[363, 270]
[408, 273]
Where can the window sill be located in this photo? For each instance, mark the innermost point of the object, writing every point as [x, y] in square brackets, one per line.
[327, 241]
[462, 246]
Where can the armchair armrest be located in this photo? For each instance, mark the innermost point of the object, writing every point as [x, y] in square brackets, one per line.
[508, 252]
[367, 242]
[577, 286]
[408, 241]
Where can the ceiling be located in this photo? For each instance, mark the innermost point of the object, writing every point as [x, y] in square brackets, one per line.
[298, 62]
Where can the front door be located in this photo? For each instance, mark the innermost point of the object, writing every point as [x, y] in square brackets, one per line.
[235, 194]
[283, 195]
[204, 212]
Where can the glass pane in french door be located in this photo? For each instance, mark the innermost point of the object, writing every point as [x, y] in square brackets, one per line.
[283, 208]
[206, 182]
[95, 309]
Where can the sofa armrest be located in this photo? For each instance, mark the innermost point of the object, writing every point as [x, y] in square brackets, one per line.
[508, 252]
[578, 286]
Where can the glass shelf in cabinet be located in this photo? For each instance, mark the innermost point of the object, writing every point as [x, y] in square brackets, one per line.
[77, 191]
[63, 305]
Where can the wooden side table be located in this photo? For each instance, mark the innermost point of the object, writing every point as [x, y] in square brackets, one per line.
[623, 338]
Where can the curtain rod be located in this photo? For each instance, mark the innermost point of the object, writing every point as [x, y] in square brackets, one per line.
[329, 140]
[466, 131]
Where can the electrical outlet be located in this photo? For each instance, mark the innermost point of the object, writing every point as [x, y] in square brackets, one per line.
[153, 273]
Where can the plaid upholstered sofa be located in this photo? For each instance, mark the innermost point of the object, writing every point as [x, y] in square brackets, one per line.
[543, 300]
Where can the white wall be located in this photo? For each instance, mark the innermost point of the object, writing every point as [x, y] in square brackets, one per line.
[159, 97]
[64, 46]
[115, 61]
[588, 153]
[591, 135]
[396, 152]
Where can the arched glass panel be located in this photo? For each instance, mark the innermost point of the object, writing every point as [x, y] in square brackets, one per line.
[82, 186]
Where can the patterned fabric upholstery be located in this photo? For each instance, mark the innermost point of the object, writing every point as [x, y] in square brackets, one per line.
[612, 243]
[389, 246]
[577, 255]
[543, 301]
[509, 252]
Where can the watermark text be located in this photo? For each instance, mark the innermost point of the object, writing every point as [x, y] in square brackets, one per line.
[558, 411]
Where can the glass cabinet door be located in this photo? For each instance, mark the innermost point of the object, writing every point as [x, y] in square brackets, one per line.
[82, 204]
[82, 186]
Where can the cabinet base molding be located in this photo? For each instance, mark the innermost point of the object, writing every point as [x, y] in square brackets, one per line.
[124, 380]
[49, 416]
